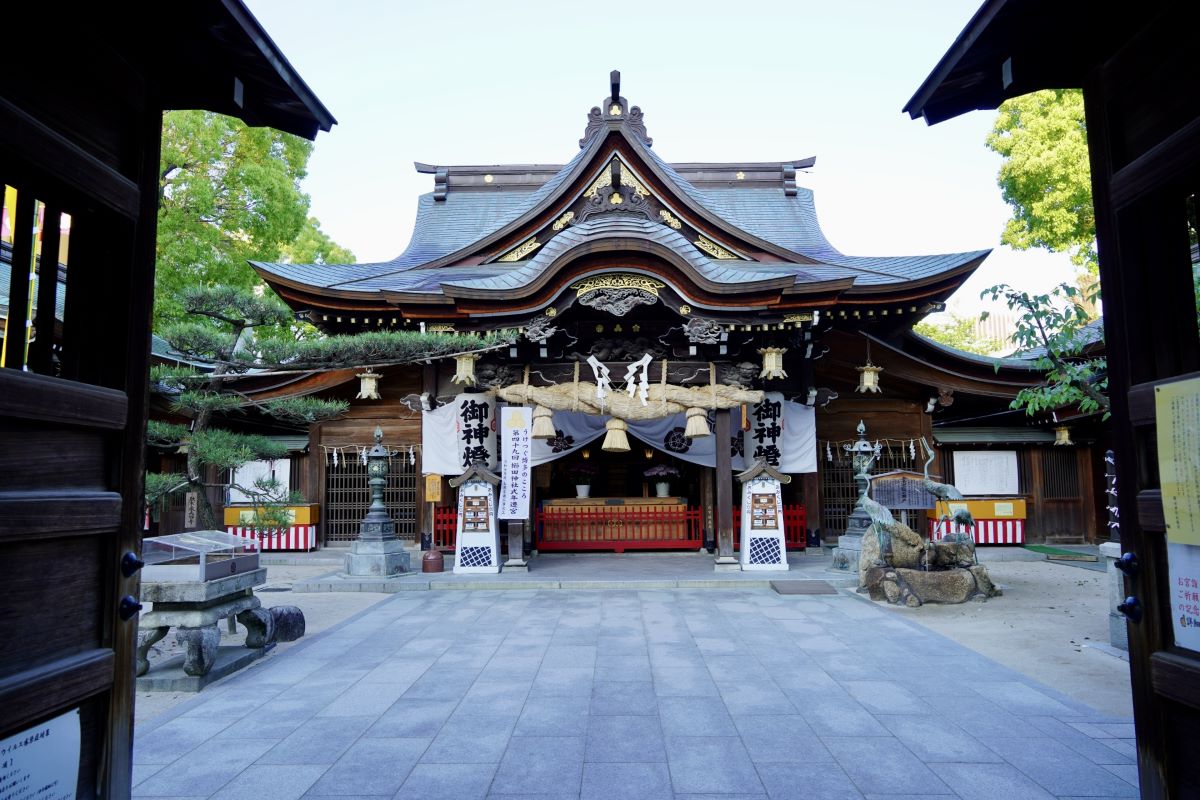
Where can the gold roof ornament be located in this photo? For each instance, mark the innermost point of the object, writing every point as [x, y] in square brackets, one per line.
[520, 251]
[713, 249]
[590, 285]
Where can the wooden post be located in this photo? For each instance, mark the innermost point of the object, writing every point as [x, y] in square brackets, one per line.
[707, 517]
[429, 386]
[724, 479]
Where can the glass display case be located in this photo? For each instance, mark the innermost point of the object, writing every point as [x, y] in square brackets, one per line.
[197, 556]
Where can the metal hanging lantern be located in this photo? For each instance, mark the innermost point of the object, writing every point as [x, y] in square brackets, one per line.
[1062, 435]
[615, 441]
[368, 385]
[868, 375]
[868, 378]
[464, 369]
[543, 423]
[772, 367]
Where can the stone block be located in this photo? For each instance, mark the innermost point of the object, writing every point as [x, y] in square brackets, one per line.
[951, 554]
[260, 627]
[912, 587]
[200, 591]
[289, 623]
[200, 648]
[377, 559]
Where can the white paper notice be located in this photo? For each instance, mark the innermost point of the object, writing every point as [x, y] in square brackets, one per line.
[1183, 567]
[42, 762]
[516, 425]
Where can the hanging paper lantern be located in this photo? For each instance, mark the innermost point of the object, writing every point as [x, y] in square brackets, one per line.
[697, 423]
[464, 369]
[1062, 435]
[615, 441]
[368, 385]
[868, 378]
[543, 423]
[772, 367]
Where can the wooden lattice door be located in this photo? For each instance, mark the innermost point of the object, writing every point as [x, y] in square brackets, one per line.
[347, 495]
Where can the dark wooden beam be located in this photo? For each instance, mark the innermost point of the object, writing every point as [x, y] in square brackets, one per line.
[724, 479]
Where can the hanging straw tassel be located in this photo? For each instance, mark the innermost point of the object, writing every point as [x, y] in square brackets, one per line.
[543, 423]
[615, 441]
[697, 423]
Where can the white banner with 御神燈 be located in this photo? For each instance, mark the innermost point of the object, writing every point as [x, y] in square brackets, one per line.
[459, 434]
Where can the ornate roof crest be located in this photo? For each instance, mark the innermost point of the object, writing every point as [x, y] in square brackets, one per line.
[616, 107]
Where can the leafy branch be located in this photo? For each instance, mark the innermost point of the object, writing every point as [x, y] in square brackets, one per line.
[1052, 326]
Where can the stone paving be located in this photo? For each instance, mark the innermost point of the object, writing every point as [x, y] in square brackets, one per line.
[681, 694]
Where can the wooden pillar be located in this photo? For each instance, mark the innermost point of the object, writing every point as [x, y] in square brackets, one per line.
[315, 468]
[425, 509]
[707, 517]
[724, 479]
[810, 487]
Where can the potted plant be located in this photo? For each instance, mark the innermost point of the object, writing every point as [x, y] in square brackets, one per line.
[582, 473]
[661, 472]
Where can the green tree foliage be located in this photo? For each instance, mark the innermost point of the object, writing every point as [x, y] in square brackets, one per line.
[1045, 176]
[959, 333]
[1053, 326]
[220, 334]
[229, 193]
[313, 246]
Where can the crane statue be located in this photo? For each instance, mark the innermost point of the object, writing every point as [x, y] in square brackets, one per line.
[945, 492]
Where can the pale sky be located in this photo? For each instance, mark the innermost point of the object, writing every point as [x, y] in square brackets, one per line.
[493, 83]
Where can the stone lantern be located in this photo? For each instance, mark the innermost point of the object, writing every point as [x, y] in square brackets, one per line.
[862, 456]
[377, 552]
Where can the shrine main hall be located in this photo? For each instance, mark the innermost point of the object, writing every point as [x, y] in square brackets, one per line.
[667, 327]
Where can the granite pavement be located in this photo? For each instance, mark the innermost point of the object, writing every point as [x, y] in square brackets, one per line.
[654, 693]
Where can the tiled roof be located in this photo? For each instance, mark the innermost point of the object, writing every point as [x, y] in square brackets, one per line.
[465, 217]
[717, 271]
[1088, 335]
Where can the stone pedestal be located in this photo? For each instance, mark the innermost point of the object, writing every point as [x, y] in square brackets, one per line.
[726, 564]
[1118, 632]
[849, 546]
[194, 609]
[377, 558]
[845, 556]
[516, 548]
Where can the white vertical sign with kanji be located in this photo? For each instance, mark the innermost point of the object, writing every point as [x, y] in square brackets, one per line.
[516, 425]
[475, 427]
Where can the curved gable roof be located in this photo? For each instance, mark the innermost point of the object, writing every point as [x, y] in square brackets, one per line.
[455, 230]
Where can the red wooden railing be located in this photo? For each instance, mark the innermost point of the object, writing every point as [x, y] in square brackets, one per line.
[445, 527]
[623, 528]
[619, 528]
[795, 527]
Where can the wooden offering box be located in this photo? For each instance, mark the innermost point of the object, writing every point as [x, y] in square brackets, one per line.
[618, 523]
